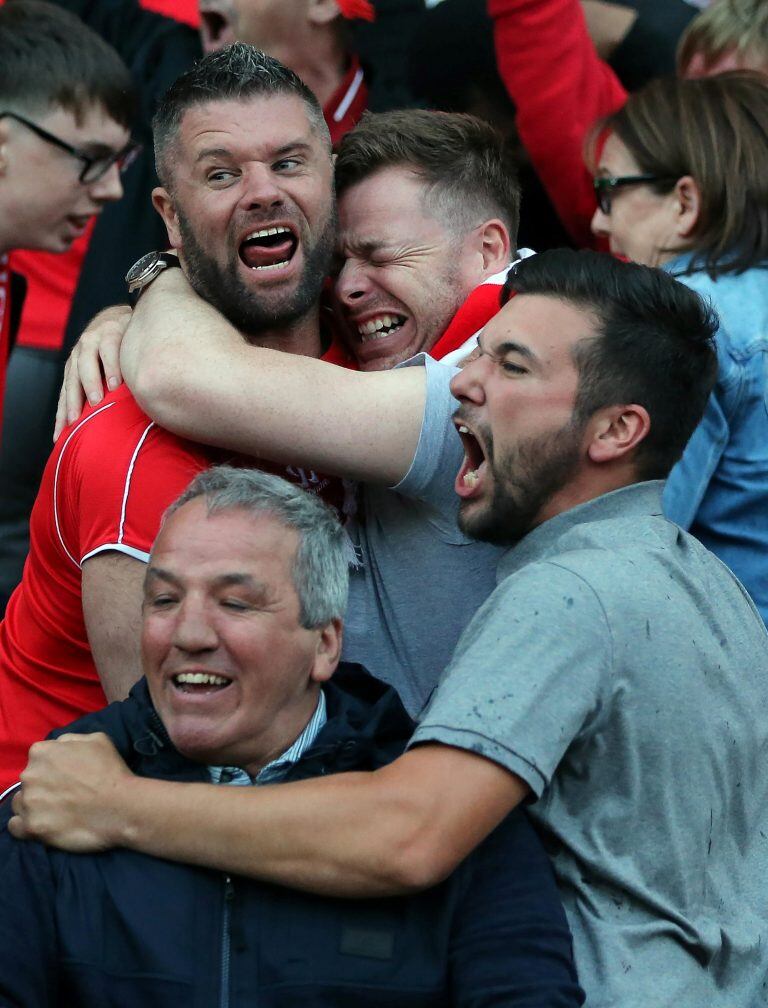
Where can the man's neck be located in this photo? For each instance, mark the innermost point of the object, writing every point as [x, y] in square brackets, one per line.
[301, 337]
[323, 65]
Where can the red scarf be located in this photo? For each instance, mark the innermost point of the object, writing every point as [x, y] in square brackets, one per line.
[481, 305]
[478, 308]
[362, 9]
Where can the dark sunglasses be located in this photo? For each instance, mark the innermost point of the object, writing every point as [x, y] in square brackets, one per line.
[93, 168]
[605, 185]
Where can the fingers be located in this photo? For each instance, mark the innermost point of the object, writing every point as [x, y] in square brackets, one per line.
[66, 787]
[109, 351]
[94, 361]
[62, 413]
[16, 825]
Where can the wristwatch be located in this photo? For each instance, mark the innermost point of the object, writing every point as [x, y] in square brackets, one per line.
[147, 269]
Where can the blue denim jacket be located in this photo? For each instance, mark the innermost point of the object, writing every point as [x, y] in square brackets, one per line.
[719, 489]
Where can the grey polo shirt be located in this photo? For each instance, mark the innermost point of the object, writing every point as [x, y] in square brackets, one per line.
[622, 671]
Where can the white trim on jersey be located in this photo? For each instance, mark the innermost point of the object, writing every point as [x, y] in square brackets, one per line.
[455, 357]
[349, 97]
[128, 476]
[56, 477]
[117, 547]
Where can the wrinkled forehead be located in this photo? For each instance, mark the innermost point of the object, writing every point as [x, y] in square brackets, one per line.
[259, 121]
[197, 543]
[390, 206]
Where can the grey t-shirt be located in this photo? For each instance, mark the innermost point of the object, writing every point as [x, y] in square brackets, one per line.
[622, 671]
[420, 580]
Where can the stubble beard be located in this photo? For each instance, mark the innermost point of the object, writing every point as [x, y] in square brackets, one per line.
[523, 482]
[251, 312]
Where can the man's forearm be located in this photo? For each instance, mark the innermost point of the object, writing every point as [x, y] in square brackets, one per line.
[398, 829]
[193, 374]
[298, 834]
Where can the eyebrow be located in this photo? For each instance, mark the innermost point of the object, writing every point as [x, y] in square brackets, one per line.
[213, 152]
[509, 346]
[224, 581]
[96, 149]
[362, 246]
[294, 145]
[225, 152]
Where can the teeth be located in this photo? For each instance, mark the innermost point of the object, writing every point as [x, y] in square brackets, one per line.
[470, 479]
[373, 328]
[271, 266]
[201, 679]
[463, 429]
[266, 232]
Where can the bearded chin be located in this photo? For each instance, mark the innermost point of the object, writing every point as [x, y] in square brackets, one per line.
[250, 312]
[523, 484]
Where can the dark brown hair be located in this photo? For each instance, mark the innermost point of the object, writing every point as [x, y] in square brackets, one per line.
[49, 58]
[654, 344]
[715, 130]
[468, 168]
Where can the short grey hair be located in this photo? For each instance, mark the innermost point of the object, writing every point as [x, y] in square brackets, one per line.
[320, 569]
[237, 72]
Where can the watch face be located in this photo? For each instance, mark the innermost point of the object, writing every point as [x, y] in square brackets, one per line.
[136, 273]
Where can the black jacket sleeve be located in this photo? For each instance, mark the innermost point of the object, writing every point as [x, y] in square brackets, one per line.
[28, 946]
[511, 944]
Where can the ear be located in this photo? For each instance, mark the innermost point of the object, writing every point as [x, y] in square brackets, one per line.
[616, 431]
[162, 202]
[688, 197]
[322, 12]
[494, 246]
[328, 651]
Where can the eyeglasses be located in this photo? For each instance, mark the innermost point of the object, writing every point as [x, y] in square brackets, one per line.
[605, 185]
[94, 168]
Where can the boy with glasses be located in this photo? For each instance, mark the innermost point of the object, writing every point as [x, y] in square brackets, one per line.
[65, 113]
[66, 105]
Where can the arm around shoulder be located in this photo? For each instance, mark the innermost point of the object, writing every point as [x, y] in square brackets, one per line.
[265, 403]
[399, 829]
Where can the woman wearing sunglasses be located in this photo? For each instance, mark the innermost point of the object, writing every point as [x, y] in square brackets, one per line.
[682, 183]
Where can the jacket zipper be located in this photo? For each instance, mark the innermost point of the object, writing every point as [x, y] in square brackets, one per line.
[229, 893]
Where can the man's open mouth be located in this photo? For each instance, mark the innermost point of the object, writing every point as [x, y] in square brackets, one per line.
[269, 248]
[200, 682]
[473, 467]
[380, 326]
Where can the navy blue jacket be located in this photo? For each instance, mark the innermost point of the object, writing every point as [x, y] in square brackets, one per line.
[125, 930]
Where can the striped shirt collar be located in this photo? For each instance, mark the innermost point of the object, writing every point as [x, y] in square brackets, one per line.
[275, 769]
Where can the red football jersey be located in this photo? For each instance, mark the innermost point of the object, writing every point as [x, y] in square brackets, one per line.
[106, 485]
[111, 476]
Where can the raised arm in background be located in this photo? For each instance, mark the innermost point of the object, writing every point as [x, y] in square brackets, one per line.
[560, 88]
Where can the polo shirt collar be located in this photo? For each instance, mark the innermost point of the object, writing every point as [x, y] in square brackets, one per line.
[636, 500]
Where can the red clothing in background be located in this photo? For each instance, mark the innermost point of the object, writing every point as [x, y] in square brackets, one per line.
[560, 87]
[51, 282]
[185, 11]
[346, 105]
